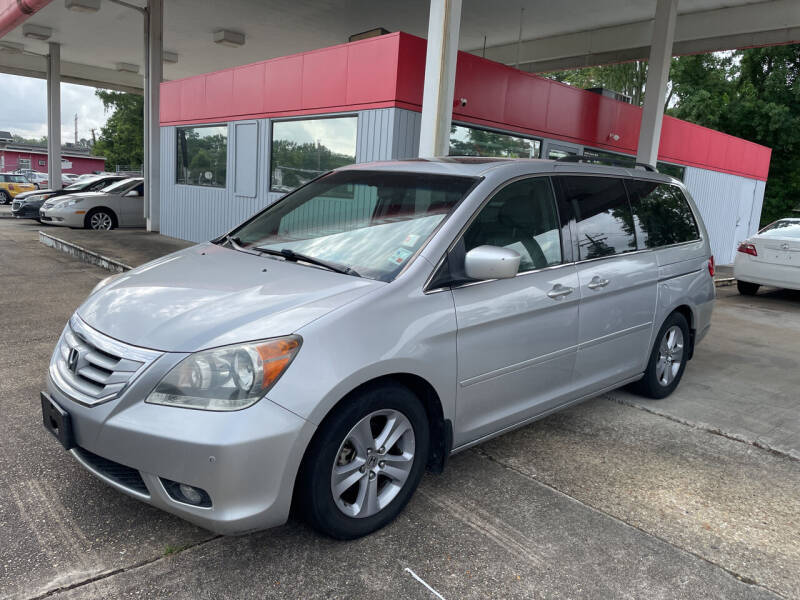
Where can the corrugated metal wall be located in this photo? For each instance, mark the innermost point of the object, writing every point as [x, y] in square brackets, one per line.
[199, 213]
[730, 206]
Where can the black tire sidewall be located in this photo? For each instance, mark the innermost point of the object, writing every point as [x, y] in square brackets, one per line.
[649, 385]
[315, 498]
[746, 288]
[5, 197]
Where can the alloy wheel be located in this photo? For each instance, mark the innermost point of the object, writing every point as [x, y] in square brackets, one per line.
[100, 220]
[670, 355]
[372, 464]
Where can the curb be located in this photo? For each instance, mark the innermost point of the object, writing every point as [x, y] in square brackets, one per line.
[724, 281]
[82, 254]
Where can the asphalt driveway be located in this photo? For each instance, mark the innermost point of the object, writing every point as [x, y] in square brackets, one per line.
[696, 496]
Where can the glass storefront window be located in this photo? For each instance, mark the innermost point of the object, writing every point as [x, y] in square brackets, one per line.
[472, 141]
[624, 160]
[202, 155]
[304, 149]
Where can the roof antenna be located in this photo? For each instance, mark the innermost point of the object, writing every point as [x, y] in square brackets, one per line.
[519, 39]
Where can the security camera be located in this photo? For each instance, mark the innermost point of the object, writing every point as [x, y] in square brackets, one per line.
[462, 102]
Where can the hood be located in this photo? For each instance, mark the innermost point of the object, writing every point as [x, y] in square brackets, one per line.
[207, 296]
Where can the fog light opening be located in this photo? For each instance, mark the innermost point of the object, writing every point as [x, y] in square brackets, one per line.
[186, 494]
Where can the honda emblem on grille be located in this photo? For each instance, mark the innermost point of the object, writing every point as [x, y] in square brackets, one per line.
[72, 360]
[785, 246]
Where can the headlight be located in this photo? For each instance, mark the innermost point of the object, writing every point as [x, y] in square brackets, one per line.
[33, 198]
[71, 202]
[227, 378]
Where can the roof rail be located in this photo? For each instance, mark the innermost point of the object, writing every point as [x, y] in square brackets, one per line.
[599, 160]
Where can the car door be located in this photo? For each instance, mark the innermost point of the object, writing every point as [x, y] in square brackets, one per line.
[516, 337]
[618, 282]
[132, 207]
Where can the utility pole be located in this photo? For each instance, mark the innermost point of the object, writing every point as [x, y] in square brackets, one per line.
[76, 129]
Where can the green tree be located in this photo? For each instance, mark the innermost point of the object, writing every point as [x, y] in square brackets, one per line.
[121, 139]
[753, 94]
[626, 78]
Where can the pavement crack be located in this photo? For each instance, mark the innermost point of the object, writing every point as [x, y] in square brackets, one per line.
[738, 576]
[735, 437]
[117, 571]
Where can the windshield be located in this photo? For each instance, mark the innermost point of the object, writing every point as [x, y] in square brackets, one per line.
[121, 186]
[782, 229]
[82, 185]
[370, 221]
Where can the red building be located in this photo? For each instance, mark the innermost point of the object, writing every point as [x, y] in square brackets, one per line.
[25, 156]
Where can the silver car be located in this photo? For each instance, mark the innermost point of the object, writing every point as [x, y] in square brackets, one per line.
[368, 325]
[121, 204]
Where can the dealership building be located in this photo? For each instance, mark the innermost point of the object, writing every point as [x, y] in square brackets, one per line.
[247, 99]
[272, 125]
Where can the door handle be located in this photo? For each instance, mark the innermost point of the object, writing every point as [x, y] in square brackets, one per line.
[596, 283]
[559, 291]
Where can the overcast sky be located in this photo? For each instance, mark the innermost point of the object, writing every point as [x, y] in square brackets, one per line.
[23, 108]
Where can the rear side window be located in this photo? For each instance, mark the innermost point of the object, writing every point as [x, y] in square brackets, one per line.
[661, 214]
[522, 217]
[600, 208]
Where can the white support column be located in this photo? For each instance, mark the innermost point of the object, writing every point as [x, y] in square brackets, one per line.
[444, 23]
[54, 116]
[657, 79]
[155, 46]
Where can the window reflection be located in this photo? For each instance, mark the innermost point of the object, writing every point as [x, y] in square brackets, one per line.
[605, 222]
[307, 148]
[473, 141]
[662, 215]
[202, 155]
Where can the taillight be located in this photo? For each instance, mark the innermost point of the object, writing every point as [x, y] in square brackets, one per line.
[711, 265]
[746, 248]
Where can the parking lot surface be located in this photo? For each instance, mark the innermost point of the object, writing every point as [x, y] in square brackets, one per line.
[695, 496]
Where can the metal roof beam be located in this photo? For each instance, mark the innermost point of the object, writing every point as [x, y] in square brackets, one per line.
[35, 65]
[772, 22]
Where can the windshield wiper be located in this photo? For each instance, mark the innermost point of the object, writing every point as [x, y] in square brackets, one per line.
[293, 256]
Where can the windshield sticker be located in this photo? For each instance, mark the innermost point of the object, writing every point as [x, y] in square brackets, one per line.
[399, 256]
[411, 240]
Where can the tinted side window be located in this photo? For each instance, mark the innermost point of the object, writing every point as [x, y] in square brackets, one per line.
[661, 214]
[604, 220]
[522, 216]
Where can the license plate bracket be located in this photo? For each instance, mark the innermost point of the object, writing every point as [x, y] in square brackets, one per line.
[57, 421]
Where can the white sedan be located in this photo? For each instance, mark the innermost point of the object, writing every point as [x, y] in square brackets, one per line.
[771, 257]
[121, 204]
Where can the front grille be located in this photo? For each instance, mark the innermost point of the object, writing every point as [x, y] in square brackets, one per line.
[127, 477]
[92, 368]
[15, 205]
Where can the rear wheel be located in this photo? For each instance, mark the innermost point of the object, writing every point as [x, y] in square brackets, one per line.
[5, 197]
[667, 359]
[100, 219]
[365, 462]
[746, 288]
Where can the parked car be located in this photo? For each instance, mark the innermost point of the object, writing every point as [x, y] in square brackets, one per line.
[369, 324]
[119, 205]
[71, 177]
[771, 257]
[12, 184]
[27, 205]
[38, 179]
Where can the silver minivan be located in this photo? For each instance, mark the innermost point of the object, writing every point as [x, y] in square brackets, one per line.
[366, 326]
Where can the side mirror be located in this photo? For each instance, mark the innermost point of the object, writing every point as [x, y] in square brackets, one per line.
[491, 262]
[132, 194]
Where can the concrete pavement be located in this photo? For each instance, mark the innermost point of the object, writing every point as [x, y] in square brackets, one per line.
[605, 500]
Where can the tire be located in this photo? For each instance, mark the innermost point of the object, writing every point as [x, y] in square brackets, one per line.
[343, 441]
[746, 288]
[100, 219]
[671, 347]
[5, 197]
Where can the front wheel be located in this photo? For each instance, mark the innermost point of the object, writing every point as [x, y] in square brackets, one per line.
[667, 359]
[746, 288]
[365, 462]
[100, 219]
[5, 198]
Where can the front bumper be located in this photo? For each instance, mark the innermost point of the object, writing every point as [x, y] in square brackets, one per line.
[65, 217]
[245, 460]
[25, 212]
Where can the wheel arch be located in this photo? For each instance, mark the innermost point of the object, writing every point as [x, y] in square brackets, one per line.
[691, 320]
